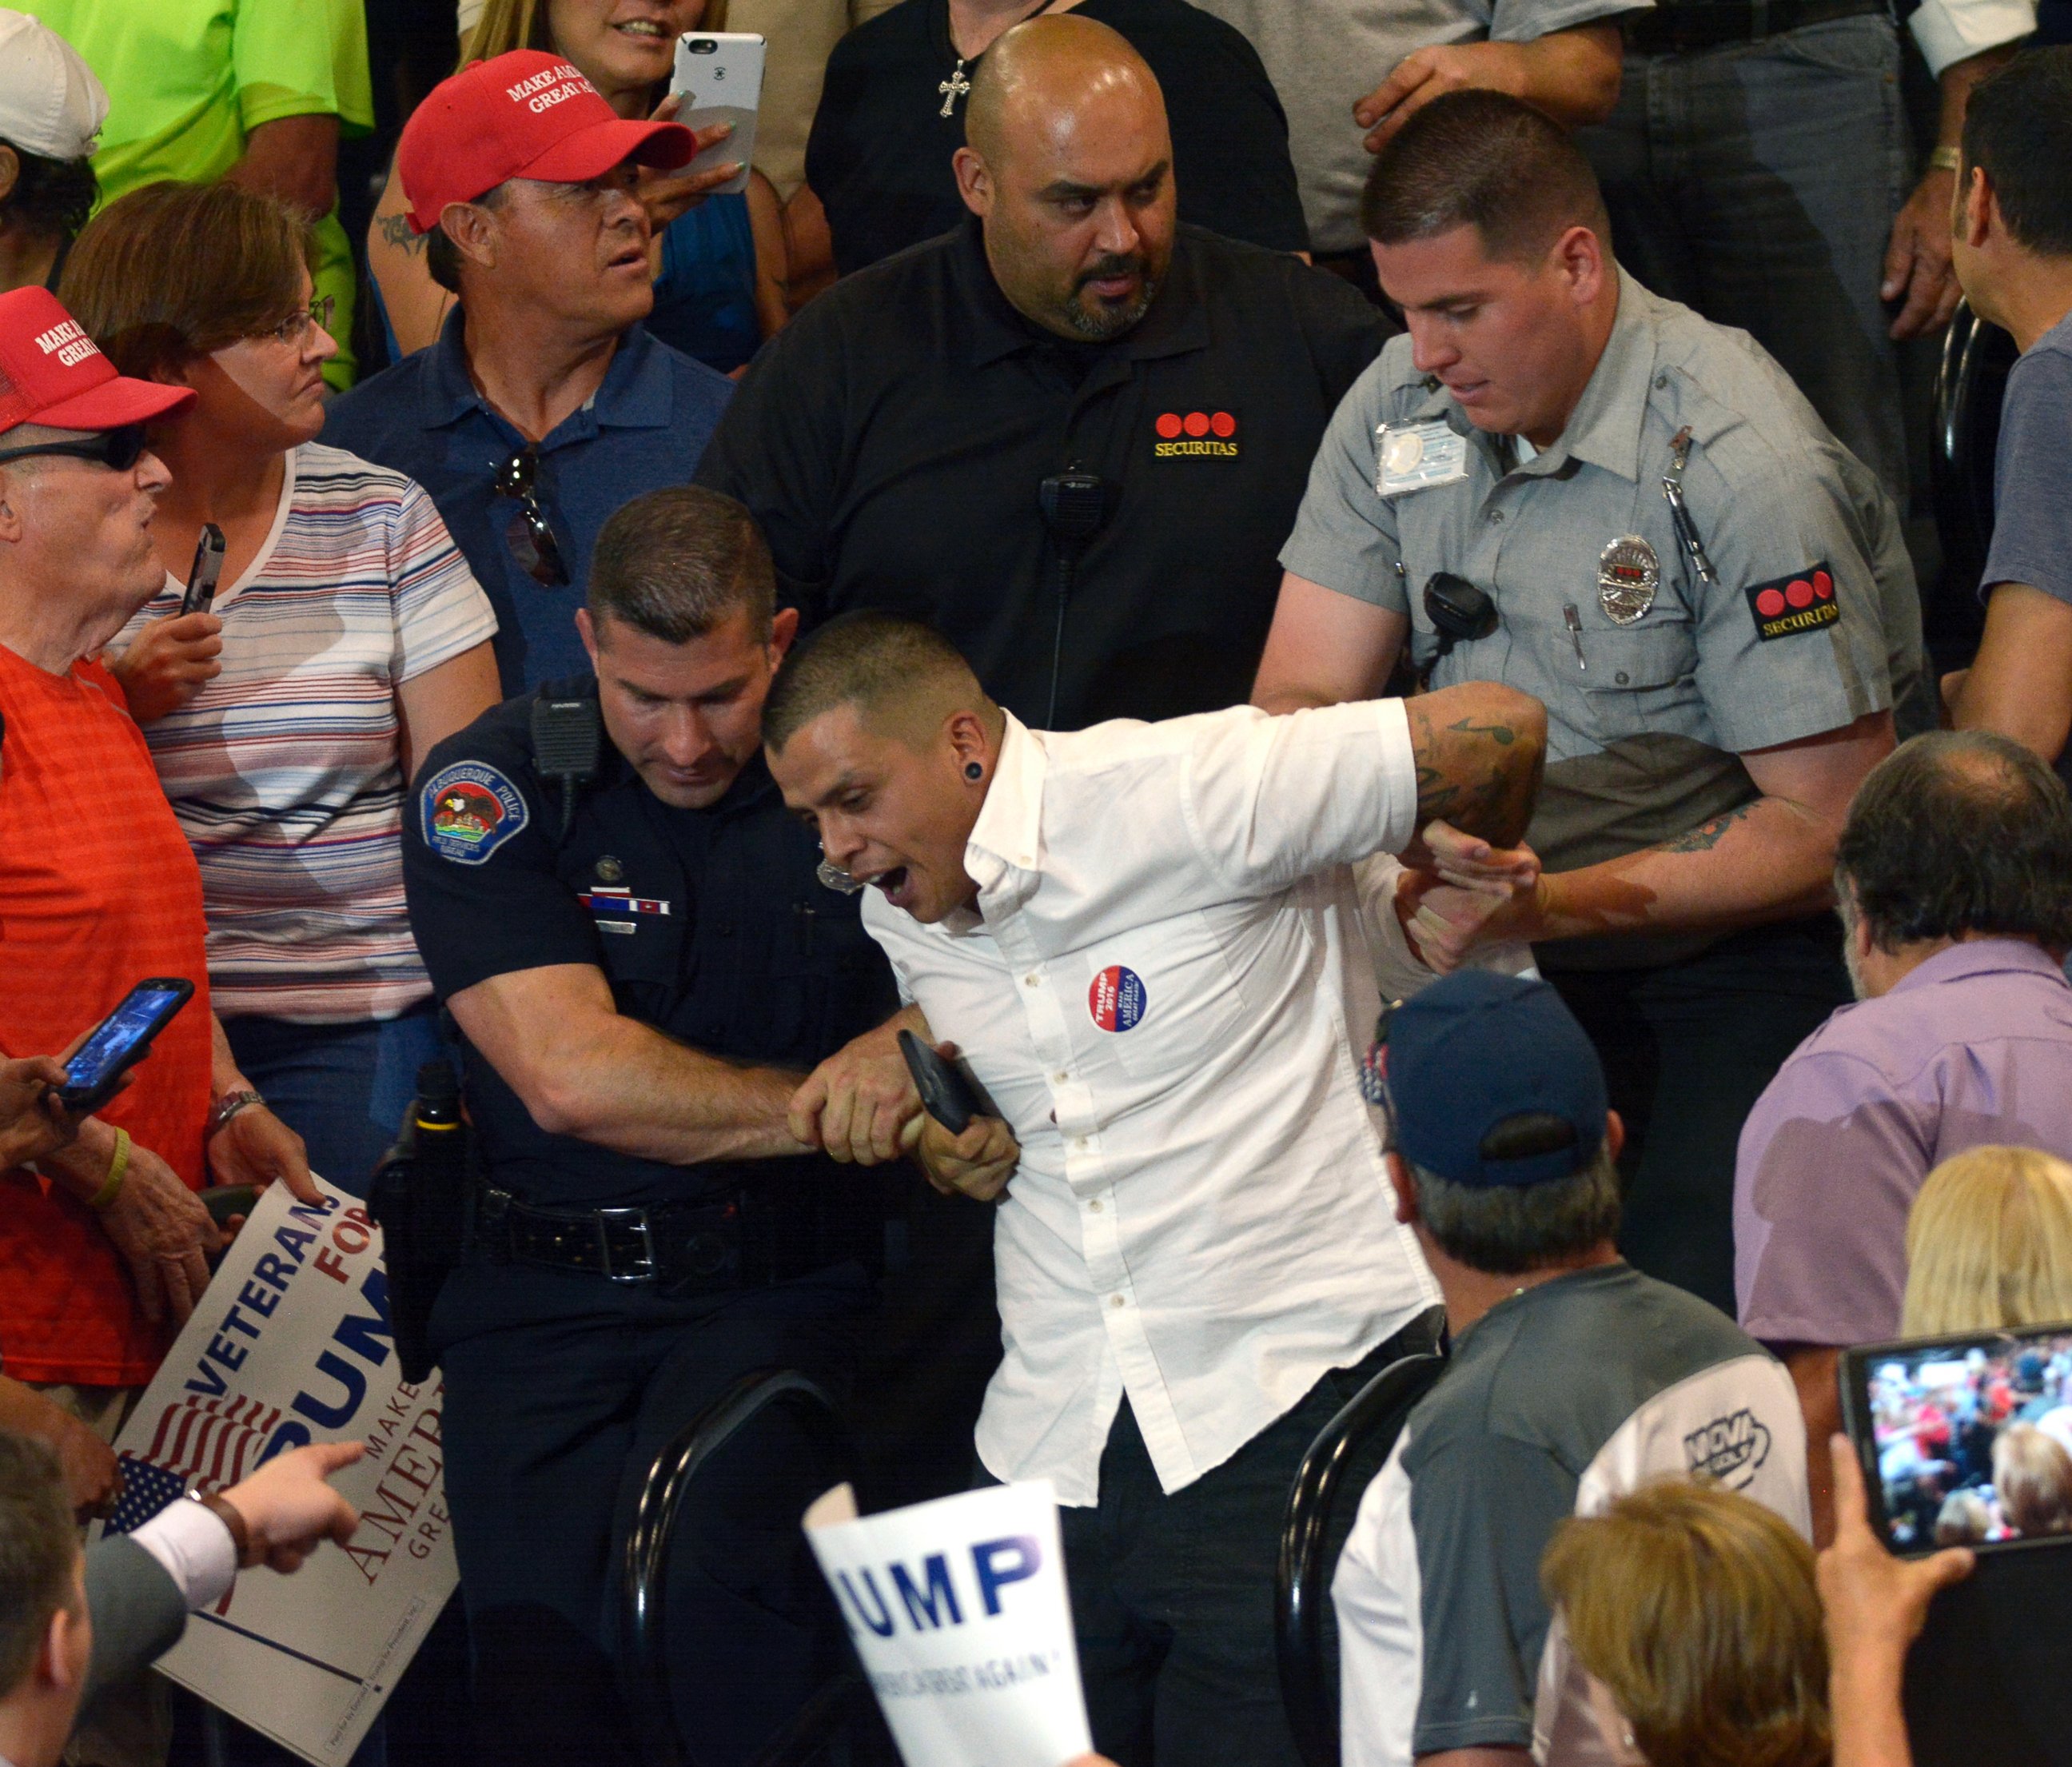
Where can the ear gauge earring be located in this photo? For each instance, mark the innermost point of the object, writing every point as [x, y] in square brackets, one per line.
[973, 771]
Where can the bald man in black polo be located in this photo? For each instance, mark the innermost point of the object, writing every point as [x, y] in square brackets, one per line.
[1159, 390]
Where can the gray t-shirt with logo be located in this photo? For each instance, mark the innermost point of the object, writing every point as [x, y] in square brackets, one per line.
[1558, 1400]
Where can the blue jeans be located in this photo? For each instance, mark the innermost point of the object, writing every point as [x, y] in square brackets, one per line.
[1757, 182]
[343, 1088]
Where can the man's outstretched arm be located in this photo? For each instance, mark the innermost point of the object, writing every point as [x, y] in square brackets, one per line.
[1481, 749]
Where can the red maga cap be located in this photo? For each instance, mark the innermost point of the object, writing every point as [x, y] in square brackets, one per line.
[527, 114]
[52, 373]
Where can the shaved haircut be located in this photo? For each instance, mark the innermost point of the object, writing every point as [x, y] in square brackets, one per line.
[902, 678]
[1060, 57]
[1488, 161]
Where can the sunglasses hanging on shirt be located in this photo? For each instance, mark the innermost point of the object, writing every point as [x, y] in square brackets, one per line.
[528, 533]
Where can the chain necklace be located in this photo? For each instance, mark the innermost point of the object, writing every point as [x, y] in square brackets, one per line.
[956, 86]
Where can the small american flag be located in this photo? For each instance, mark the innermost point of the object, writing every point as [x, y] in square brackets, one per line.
[147, 1490]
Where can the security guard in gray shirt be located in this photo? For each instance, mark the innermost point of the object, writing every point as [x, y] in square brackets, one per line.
[1559, 481]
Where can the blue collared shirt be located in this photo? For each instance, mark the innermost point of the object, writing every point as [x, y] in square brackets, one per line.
[645, 427]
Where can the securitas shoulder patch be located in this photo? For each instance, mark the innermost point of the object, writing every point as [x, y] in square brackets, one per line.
[470, 810]
[1805, 601]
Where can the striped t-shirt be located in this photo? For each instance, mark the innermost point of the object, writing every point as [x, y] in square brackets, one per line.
[284, 771]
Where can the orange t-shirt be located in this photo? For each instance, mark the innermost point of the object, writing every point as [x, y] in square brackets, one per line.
[98, 890]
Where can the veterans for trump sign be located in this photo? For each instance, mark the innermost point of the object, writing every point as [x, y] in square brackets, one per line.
[959, 1613]
[292, 1344]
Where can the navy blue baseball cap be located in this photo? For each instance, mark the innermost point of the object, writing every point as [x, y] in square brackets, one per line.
[1494, 1083]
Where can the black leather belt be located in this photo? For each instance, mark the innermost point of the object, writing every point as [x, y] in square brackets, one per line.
[682, 1247]
[1711, 24]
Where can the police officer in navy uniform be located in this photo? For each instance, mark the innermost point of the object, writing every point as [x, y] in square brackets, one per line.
[1560, 481]
[630, 937]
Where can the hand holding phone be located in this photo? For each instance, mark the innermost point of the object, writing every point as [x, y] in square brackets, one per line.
[946, 1095]
[120, 1041]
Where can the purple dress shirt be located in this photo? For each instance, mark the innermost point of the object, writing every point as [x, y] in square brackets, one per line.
[1972, 1048]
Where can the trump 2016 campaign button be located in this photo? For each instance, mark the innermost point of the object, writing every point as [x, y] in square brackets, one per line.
[1116, 998]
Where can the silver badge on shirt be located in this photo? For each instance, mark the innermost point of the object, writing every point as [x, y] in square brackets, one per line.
[1417, 456]
[1628, 575]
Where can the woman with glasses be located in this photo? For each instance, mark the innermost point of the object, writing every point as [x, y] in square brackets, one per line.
[719, 260]
[347, 636]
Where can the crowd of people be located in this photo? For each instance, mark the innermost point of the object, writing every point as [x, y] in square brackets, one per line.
[1325, 596]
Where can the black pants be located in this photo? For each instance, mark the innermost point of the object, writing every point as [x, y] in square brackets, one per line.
[1687, 1050]
[559, 1391]
[1172, 1596]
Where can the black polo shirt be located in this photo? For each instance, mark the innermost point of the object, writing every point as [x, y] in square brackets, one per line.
[879, 155]
[893, 439]
[709, 925]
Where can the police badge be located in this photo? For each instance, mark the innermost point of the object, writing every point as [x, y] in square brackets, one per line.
[1628, 574]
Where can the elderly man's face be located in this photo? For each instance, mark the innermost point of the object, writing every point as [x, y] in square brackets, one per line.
[83, 529]
[1079, 205]
[576, 252]
[891, 814]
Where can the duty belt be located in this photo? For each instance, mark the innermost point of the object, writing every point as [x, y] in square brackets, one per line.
[684, 1247]
[1711, 24]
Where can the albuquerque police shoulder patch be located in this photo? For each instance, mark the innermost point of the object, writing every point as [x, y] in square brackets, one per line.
[1805, 601]
[469, 810]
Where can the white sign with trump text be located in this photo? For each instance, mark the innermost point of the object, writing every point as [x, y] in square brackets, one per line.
[292, 1344]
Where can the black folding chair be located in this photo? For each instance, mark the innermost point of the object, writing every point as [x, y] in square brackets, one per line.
[1363, 1433]
[1970, 383]
[670, 1490]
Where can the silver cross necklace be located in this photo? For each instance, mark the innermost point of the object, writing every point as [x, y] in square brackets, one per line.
[956, 86]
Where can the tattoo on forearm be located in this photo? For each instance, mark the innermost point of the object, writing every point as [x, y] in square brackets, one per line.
[396, 229]
[1481, 777]
[1707, 835]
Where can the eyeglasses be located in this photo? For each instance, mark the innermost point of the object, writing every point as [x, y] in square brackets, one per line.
[529, 534]
[292, 330]
[117, 449]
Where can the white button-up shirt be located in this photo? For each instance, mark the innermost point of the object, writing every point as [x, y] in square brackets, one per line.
[1165, 989]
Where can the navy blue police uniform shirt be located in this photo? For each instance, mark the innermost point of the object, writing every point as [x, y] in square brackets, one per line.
[892, 441]
[645, 427]
[709, 925]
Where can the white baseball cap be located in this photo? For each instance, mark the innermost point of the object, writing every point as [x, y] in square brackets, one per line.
[51, 104]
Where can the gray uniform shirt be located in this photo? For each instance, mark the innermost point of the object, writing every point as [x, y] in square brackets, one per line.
[1814, 620]
[1324, 56]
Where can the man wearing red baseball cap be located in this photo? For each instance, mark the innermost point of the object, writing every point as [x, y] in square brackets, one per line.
[543, 406]
[98, 890]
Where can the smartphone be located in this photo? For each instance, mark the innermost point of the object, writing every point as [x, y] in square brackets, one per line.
[206, 568]
[224, 1200]
[720, 74]
[120, 1041]
[1965, 1441]
[948, 1097]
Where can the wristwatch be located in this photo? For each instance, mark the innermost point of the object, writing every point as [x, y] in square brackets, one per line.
[225, 1108]
[227, 1513]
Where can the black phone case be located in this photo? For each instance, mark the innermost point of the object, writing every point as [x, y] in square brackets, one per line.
[945, 1092]
[1853, 1371]
[82, 1101]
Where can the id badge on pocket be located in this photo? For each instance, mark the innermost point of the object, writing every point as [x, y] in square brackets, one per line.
[1417, 456]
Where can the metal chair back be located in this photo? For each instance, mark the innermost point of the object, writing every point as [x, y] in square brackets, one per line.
[1367, 1427]
[671, 1482]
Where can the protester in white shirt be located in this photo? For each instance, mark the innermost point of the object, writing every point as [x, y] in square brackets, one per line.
[1144, 938]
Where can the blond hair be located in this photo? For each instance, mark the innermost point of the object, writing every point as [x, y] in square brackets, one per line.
[1696, 1607]
[1989, 1244]
[2032, 1479]
[506, 25]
